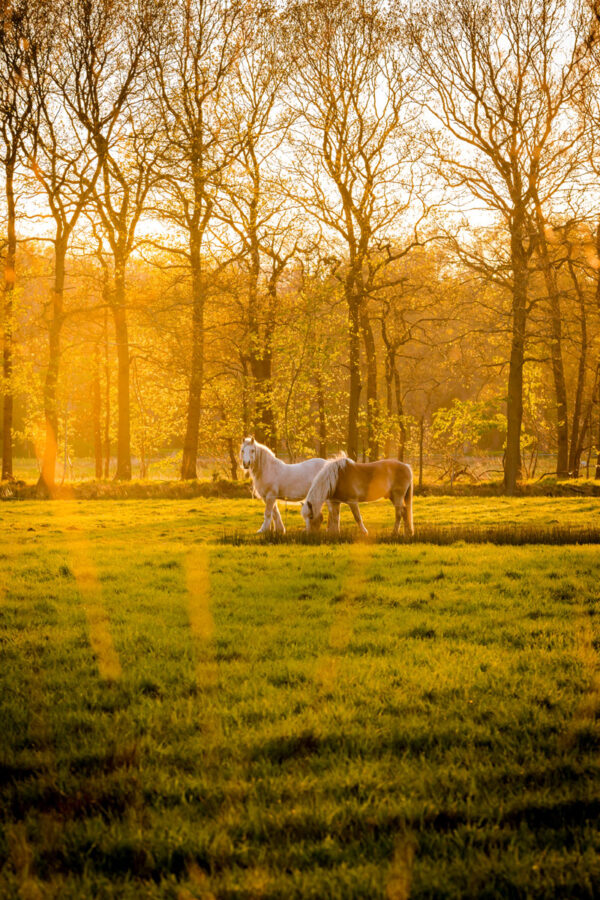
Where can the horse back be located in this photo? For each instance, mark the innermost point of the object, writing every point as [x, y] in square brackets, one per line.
[370, 481]
[289, 481]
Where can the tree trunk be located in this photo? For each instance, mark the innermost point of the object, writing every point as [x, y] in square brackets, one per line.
[261, 360]
[372, 399]
[244, 398]
[107, 398]
[255, 348]
[47, 480]
[577, 452]
[233, 466]
[400, 414]
[66, 444]
[97, 413]
[143, 464]
[514, 403]
[7, 355]
[597, 472]
[123, 472]
[389, 401]
[421, 434]
[322, 418]
[576, 447]
[558, 371]
[586, 427]
[354, 362]
[264, 420]
[260, 341]
[190, 444]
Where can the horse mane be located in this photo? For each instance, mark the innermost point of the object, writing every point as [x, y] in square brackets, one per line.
[325, 483]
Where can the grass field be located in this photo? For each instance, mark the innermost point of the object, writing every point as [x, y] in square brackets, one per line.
[186, 717]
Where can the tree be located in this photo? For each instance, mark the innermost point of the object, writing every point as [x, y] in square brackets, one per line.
[110, 68]
[194, 57]
[588, 102]
[16, 104]
[259, 224]
[64, 163]
[350, 93]
[497, 77]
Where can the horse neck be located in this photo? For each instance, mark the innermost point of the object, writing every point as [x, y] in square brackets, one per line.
[264, 464]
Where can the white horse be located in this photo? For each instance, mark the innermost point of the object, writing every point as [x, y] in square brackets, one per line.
[275, 480]
[345, 481]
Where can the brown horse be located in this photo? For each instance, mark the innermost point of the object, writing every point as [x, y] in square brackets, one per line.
[344, 481]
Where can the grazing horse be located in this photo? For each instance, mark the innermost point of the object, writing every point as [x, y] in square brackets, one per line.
[344, 481]
[275, 480]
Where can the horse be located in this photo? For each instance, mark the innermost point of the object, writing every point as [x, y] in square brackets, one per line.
[344, 481]
[273, 480]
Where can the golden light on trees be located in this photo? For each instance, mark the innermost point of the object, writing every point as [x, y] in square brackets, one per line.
[321, 222]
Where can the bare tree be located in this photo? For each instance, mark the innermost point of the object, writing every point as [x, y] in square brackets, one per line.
[588, 102]
[259, 222]
[497, 78]
[194, 57]
[349, 90]
[16, 104]
[109, 66]
[63, 160]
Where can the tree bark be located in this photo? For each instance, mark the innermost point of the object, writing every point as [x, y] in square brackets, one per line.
[261, 366]
[421, 436]
[233, 465]
[389, 397]
[558, 370]
[47, 480]
[190, 445]
[322, 418]
[97, 413]
[7, 354]
[400, 414]
[354, 363]
[123, 472]
[577, 427]
[372, 399]
[597, 472]
[514, 404]
[107, 398]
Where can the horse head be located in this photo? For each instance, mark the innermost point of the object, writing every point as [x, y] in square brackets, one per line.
[248, 453]
[313, 520]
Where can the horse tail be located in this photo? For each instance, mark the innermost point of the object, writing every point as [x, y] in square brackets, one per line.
[408, 501]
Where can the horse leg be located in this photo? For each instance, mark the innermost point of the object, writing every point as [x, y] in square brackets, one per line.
[398, 501]
[269, 504]
[333, 524]
[279, 526]
[357, 517]
[407, 511]
[408, 529]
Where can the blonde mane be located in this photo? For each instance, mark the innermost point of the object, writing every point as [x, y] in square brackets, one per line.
[324, 485]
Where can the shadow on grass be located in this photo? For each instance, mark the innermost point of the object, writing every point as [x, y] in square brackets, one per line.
[430, 534]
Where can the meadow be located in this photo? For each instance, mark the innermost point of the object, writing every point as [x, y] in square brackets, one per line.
[187, 711]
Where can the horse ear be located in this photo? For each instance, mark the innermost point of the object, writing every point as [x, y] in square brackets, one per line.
[252, 439]
[310, 509]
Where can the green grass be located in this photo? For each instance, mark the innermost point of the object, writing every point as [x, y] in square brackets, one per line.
[184, 717]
